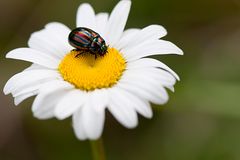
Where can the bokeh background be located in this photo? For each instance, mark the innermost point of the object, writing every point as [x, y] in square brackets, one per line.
[201, 120]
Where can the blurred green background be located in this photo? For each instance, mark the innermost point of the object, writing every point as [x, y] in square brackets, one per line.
[200, 122]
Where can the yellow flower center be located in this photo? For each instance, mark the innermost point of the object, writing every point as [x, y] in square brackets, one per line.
[88, 73]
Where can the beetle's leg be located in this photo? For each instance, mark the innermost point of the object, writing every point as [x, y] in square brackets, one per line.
[80, 52]
[75, 49]
[95, 55]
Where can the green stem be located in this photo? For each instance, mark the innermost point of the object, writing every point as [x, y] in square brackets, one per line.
[98, 149]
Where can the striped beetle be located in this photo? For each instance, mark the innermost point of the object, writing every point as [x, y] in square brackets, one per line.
[87, 40]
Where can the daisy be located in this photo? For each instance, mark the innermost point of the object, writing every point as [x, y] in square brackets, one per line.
[123, 81]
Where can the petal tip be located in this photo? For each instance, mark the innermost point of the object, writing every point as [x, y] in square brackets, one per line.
[59, 115]
[84, 6]
[181, 53]
[127, 2]
[16, 103]
[5, 91]
[9, 54]
[159, 29]
[150, 116]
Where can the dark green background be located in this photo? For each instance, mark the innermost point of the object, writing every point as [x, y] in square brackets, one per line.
[201, 120]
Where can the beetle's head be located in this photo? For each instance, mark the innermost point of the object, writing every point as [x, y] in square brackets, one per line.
[98, 46]
[104, 49]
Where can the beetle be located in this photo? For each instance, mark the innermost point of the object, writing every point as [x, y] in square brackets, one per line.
[87, 40]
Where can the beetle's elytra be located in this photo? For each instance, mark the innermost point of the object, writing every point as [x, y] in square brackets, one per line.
[85, 39]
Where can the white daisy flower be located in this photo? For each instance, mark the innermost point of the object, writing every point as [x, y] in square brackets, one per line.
[122, 81]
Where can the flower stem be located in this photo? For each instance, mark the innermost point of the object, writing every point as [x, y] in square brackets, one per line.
[98, 149]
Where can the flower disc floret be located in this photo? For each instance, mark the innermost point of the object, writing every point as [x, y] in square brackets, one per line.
[88, 73]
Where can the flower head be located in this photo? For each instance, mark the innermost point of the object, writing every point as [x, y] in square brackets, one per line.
[83, 86]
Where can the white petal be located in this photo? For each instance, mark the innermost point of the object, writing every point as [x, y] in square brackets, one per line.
[121, 109]
[47, 104]
[56, 85]
[20, 98]
[149, 33]
[60, 29]
[117, 21]
[86, 16]
[149, 87]
[127, 37]
[27, 78]
[93, 121]
[101, 22]
[49, 95]
[34, 56]
[139, 104]
[171, 88]
[52, 40]
[152, 32]
[70, 103]
[99, 100]
[78, 125]
[29, 88]
[35, 66]
[149, 62]
[153, 75]
[149, 48]
[144, 92]
[61, 32]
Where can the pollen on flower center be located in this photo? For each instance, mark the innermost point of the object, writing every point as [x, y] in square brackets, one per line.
[88, 73]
